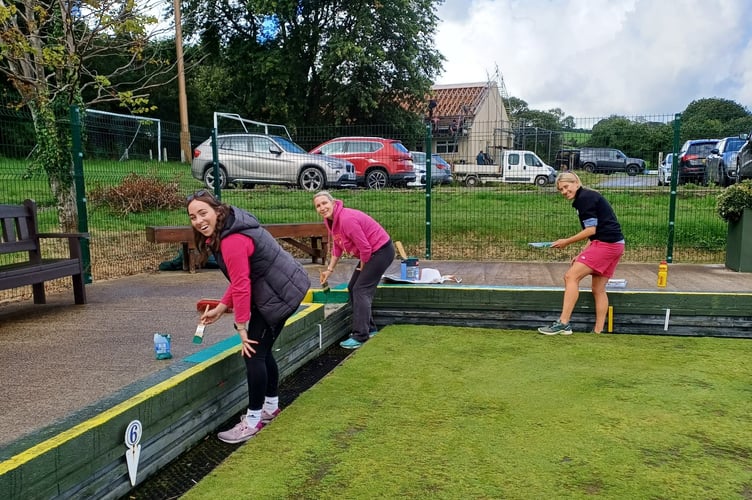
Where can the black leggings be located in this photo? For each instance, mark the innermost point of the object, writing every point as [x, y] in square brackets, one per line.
[261, 368]
[362, 288]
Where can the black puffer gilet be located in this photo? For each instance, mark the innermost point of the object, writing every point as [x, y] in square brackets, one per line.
[278, 281]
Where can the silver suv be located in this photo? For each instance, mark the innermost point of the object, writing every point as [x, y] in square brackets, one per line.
[608, 160]
[250, 159]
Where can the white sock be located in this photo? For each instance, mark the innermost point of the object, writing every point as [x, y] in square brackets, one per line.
[271, 404]
[253, 417]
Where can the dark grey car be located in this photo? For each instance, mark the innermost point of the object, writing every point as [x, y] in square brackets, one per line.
[721, 162]
[609, 160]
[693, 159]
[744, 159]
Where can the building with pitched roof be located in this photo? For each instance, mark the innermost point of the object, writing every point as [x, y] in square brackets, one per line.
[468, 118]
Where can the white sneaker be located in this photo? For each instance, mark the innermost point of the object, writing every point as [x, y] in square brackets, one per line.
[241, 432]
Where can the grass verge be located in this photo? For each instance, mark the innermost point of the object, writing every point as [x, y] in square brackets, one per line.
[446, 412]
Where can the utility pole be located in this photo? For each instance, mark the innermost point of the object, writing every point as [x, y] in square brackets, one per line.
[185, 135]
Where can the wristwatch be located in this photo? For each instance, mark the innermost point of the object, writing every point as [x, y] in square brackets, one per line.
[241, 326]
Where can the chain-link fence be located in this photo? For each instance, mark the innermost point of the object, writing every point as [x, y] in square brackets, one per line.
[496, 219]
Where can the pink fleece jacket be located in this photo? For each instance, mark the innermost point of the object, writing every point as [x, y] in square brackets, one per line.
[354, 232]
[237, 250]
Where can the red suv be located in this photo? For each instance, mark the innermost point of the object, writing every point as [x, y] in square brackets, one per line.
[378, 162]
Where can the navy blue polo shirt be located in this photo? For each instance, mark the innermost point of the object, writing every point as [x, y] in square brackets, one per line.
[593, 210]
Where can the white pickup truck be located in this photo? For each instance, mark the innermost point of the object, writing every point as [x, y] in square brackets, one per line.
[517, 166]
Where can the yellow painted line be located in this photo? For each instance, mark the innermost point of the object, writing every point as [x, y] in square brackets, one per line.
[309, 309]
[73, 432]
[77, 430]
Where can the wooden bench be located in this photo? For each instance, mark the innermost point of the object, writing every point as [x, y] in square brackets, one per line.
[310, 237]
[18, 234]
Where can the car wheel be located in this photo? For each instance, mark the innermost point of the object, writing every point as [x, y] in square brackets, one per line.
[209, 177]
[588, 167]
[377, 179]
[311, 179]
[722, 179]
[471, 181]
[660, 182]
[632, 170]
[541, 181]
[739, 177]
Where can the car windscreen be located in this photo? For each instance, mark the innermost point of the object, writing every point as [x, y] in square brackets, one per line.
[734, 144]
[702, 149]
[288, 145]
[400, 147]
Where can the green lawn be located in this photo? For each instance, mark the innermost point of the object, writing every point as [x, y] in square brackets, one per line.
[440, 412]
[490, 223]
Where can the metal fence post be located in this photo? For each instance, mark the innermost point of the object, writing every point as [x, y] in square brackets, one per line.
[429, 147]
[80, 188]
[215, 164]
[674, 183]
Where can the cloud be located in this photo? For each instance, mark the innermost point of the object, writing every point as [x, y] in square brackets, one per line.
[594, 59]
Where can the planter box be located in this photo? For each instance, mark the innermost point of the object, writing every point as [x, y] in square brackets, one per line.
[739, 243]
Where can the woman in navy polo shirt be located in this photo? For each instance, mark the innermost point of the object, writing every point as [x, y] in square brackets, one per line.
[598, 259]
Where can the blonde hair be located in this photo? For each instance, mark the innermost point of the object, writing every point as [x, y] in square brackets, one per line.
[568, 177]
[326, 194]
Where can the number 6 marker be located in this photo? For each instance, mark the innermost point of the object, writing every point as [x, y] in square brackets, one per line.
[132, 437]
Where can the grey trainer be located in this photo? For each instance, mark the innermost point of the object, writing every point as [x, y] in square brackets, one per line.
[557, 328]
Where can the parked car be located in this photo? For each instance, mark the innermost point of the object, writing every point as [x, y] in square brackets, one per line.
[439, 170]
[692, 161]
[744, 159]
[664, 170]
[609, 160]
[721, 162]
[251, 159]
[378, 162]
[438, 160]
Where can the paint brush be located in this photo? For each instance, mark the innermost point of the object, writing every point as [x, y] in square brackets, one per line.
[198, 337]
[325, 284]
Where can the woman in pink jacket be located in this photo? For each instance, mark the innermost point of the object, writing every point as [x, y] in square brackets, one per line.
[356, 233]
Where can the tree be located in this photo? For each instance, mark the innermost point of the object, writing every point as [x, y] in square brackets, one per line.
[714, 118]
[319, 62]
[637, 139]
[58, 53]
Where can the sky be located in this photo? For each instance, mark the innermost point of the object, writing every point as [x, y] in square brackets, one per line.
[596, 58]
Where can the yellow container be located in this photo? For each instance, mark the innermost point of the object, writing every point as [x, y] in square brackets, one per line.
[662, 274]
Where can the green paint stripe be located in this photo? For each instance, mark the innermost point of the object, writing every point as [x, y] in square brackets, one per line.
[211, 351]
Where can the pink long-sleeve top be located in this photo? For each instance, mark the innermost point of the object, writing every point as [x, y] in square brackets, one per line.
[237, 250]
[355, 232]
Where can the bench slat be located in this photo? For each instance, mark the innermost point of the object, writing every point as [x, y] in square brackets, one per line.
[24, 273]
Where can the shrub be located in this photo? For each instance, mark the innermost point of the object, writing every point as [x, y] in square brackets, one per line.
[731, 203]
[138, 193]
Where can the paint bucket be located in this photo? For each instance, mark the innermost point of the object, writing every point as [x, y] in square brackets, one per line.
[410, 269]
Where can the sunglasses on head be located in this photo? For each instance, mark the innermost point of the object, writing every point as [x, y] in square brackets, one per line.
[198, 194]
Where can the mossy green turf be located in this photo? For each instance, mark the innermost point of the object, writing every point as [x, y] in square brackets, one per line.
[443, 412]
